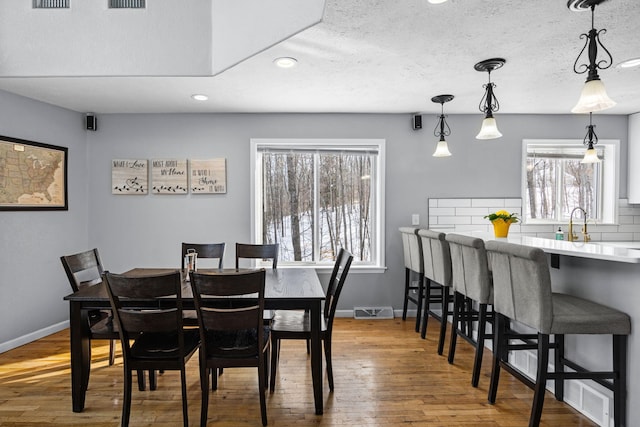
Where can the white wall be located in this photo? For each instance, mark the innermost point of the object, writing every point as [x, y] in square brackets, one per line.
[146, 230]
[32, 281]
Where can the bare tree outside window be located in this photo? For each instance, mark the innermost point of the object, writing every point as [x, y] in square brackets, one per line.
[316, 201]
[557, 182]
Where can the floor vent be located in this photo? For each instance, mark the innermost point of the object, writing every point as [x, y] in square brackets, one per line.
[373, 312]
[50, 4]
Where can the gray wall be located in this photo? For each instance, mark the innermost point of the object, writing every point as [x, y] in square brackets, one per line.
[32, 281]
[147, 230]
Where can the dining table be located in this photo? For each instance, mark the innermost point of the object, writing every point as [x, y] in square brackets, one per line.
[285, 289]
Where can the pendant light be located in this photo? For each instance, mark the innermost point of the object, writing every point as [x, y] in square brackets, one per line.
[489, 103]
[594, 96]
[442, 128]
[590, 139]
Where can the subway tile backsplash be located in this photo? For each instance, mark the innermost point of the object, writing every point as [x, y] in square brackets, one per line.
[467, 214]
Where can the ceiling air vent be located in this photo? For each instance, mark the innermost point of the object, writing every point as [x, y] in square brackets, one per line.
[51, 4]
[127, 4]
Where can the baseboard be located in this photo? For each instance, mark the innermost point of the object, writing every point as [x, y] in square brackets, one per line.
[33, 336]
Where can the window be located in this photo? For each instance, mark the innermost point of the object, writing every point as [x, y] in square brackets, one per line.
[315, 196]
[554, 181]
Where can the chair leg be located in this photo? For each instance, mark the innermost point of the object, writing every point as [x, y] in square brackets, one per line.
[407, 282]
[261, 389]
[142, 382]
[445, 315]
[214, 379]
[498, 344]
[275, 353]
[126, 404]
[558, 356]
[153, 380]
[427, 298]
[541, 380]
[204, 390]
[620, 380]
[420, 302]
[457, 302]
[185, 407]
[327, 356]
[112, 352]
[477, 364]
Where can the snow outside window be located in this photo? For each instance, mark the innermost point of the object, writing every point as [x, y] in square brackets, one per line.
[314, 197]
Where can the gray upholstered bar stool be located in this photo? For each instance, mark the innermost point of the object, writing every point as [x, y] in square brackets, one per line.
[522, 293]
[472, 285]
[437, 274]
[413, 267]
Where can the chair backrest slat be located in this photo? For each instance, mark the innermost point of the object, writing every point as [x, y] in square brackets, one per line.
[136, 303]
[83, 269]
[204, 250]
[258, 251]
[336, 283]
[229, 304]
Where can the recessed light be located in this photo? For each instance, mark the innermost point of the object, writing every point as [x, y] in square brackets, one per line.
[199, 97]
[437, 1]
[285, 62]
[633, 62]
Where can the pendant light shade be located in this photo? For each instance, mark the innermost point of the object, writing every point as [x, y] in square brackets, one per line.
[593, 96]
[489, 129]
[442, 127]
[590, 139]
[489, 103]
[442, 149]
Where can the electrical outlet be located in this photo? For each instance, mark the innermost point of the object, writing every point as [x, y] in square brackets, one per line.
[415, 219]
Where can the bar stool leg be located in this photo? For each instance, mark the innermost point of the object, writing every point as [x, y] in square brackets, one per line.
[407, 282]
[620, 381]
[559, 366]
[445, 315]
[541, 380]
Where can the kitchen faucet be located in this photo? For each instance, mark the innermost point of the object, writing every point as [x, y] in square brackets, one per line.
[571, 235]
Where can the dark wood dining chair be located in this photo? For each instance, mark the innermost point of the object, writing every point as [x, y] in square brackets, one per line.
[231, 335]
[85, 269]
[204, 250]
[258, 251]
[159, 340]
[291, 324]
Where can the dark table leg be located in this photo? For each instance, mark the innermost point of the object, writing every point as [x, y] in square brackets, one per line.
[316, 356]
[80, 337]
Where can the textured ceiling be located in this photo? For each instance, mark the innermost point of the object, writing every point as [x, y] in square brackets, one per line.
[375, 56]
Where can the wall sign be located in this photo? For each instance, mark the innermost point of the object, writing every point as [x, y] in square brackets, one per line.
[169, 176]
[129, 176]
[208, 176]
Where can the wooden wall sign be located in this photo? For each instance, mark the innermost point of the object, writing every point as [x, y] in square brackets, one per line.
[208, 176]
[169, 176]
[129, 176]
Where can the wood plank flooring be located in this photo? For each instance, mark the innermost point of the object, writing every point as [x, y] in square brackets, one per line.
[385, 375]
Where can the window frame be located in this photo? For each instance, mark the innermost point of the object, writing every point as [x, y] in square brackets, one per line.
[377, 264]
[610, 178]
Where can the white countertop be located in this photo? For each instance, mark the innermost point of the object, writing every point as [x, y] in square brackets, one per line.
[609, 251]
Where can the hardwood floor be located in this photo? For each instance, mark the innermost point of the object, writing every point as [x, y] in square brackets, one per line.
[385, 375]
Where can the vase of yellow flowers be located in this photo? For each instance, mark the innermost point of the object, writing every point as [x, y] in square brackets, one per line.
[501, 221]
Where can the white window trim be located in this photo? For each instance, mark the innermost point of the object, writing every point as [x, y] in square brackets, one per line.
[256, 182]
[611, 177]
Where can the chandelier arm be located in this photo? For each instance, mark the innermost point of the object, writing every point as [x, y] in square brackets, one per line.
[610, 61]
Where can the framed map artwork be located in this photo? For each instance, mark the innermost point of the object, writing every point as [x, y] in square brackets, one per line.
[33, 176]
[129, 176]
[208, 176]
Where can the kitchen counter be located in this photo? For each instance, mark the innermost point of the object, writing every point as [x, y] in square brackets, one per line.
[606, 251]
